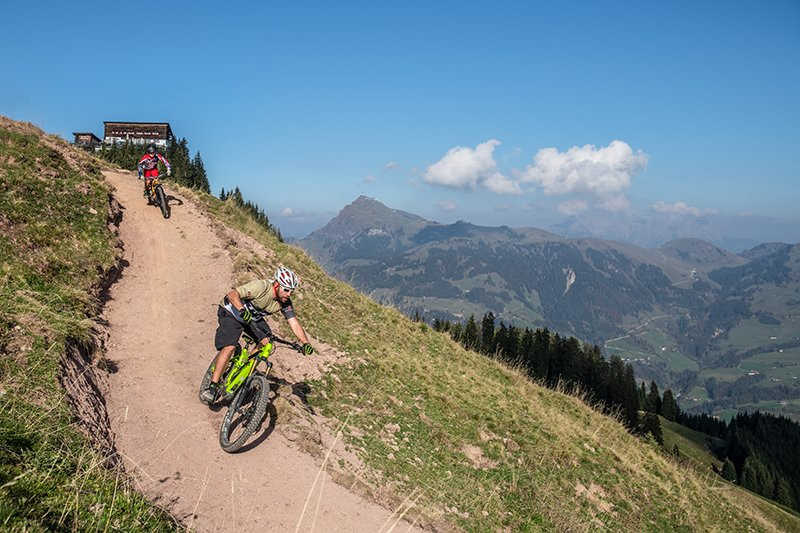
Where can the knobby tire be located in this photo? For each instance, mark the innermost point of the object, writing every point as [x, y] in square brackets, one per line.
[250, 405]
[206, 379]
[161, 199]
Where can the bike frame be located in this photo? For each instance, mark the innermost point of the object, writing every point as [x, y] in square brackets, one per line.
[154, 181]
[243, 365]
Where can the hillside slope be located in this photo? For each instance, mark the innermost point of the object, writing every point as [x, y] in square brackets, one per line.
[462, 440]
[162, 318]
[58, 251]
[445, 437]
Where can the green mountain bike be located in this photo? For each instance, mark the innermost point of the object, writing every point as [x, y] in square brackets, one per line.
[247, 388]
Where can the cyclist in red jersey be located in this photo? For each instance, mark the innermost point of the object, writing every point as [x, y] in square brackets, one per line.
[148, 165]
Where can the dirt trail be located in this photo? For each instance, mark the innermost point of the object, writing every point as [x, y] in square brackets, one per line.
[162, 320]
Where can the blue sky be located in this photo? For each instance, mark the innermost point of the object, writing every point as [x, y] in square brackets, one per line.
[517, 113]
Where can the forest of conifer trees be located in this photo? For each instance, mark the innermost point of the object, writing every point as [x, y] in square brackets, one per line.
[253, 210]
[760, 450]
[187, 171]
[554, 361]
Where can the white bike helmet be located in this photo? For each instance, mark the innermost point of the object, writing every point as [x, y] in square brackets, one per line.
[286, 279]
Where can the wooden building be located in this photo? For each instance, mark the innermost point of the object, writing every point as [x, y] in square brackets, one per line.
[86, 139]
[159, 133]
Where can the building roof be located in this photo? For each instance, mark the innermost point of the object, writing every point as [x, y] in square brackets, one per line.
[76, 133]
[138, 129]
[130, 122]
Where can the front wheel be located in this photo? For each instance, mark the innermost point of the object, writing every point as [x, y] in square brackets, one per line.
[207, 379]
[161, 200]
[245, 414]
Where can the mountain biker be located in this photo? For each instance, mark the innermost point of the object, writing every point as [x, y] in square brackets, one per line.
[149, 164]
[244, 309]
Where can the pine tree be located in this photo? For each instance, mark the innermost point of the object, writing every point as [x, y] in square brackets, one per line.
[630, 400]
[456, 330]
[200, 178]
[487, 334]
[643, 397]
[501, 343]
[669, 407]
[729, 471]
[526, 352]
[783, 492]
[511, 346]
[470, 335]
[653, 403]
[651, 424]
[541, 353]
[756, 477]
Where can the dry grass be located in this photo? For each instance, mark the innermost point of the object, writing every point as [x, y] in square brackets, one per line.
[461, 441]
[55, 246]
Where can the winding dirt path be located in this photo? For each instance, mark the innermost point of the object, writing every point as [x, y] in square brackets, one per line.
[162, 320]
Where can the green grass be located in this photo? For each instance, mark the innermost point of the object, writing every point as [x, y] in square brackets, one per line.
[468, 443]
[693, 446]
[652, 343]
[54, 246]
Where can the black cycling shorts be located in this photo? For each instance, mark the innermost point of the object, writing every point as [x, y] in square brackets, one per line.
[230, 329]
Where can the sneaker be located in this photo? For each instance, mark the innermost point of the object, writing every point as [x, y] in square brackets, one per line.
[209, 395]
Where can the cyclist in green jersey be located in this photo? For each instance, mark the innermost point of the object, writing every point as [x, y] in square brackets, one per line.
[245, 309]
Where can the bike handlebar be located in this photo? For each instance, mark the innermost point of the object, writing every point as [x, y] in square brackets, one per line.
[294, 345]
[271, 336]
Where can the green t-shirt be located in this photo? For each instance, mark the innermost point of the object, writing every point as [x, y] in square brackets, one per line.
[259, 294]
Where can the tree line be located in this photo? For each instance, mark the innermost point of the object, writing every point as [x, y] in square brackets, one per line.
[555, 361]
[759, 450]
[253, 210]
[186, 170]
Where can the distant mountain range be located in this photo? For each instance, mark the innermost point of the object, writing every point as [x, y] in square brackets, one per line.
[653, 229]
[684, 313]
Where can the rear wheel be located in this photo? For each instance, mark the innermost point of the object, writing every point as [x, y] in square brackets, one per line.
[161, 200]
[245, 414]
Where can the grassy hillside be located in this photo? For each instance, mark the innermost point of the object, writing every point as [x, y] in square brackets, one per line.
[55, 246]
[693, 446]
[458, 439]
[453, 439]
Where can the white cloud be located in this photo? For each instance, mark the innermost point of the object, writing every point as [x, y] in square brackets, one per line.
[464, 167]
[287, 212]
[503, 207]
[681, 208]
[605, 172]
[369, 178]
[501, 184]
[447, 205]
[572, 207]
[391, 165]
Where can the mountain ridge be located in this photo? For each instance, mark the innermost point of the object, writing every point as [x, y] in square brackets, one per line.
[670, 310]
